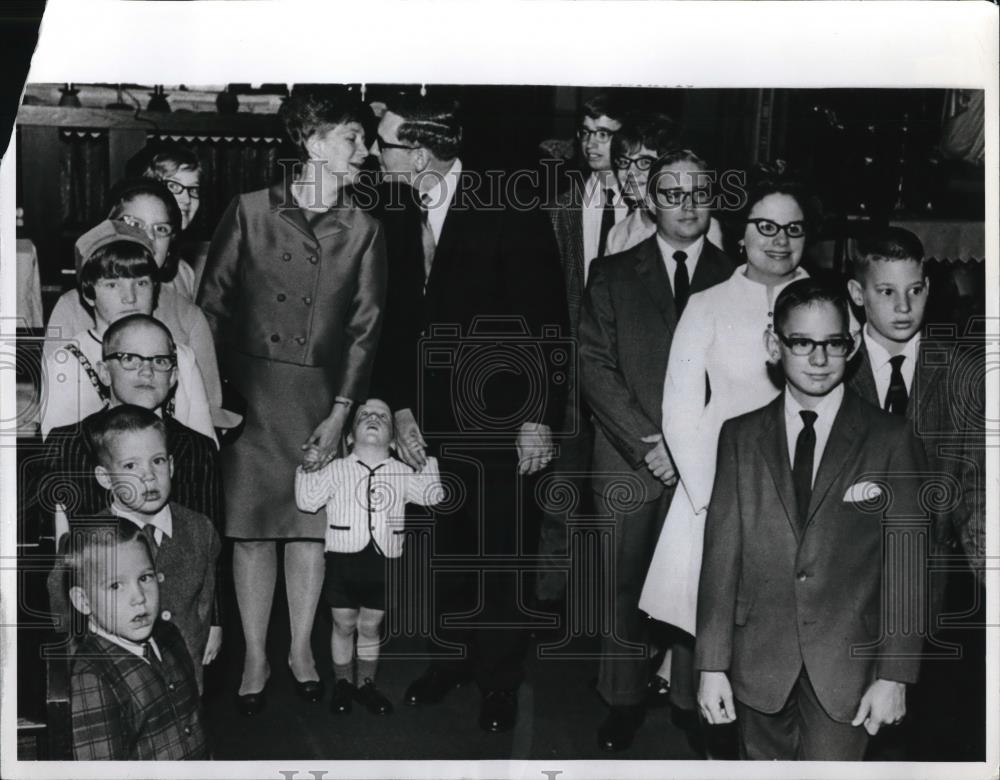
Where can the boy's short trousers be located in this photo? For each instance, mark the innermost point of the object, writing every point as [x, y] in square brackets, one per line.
[355, 580]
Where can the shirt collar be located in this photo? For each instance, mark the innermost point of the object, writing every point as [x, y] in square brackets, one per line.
[162, 521]
[360, 462]
[879, 356]
[440, 193]
[598, 183]
[741, 273]
[825, 410]
[125, 644]
[693, 252]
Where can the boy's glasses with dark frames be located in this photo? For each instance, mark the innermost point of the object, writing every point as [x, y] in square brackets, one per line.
[601, 135]
[176, 188]
[769, 228]
[642, 163]
[158, 229]
[675, 196]
[800, 346]
[131, 361]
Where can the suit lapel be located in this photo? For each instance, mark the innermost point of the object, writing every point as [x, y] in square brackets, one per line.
[845, 438]
[653, 274]
[323, 226]
[863, 378]
[773, 446]
[928, 381]
[712, 267]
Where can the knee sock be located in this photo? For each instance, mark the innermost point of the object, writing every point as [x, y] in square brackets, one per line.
[366, 669]
[344, 672]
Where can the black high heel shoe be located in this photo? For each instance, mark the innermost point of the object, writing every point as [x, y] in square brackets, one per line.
[250, 704]
[310, 690]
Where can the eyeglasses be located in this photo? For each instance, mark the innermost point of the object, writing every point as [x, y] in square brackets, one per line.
[769, 229]
[602, 135]
[800, 346]
[642, 162]
[131, 361]
[700, 196]
[177, 188]
[383, 144]
[156, 230]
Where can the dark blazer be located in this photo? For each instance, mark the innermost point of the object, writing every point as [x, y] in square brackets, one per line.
[567, 224]
[626, 326]
[310, 293]
[125, 709]
[772, 598]
[949, 437]
[494, 298]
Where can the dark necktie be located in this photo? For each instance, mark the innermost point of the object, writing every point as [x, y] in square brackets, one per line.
[426, 238]
[150, 655]
[802, 464]
[149, 531]
[607, 220]
[682, 282]
[896, 398]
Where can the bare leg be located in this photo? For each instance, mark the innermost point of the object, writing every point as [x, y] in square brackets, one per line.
[304, 582]
[345, 623]
[255, 566]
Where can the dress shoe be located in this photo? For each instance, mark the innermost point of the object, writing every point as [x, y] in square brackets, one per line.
[658, 692]
[498, 711]
[310, 690]
[431, 687]
[343, 693]
[250, 703]
[618, 730]
[370, 698]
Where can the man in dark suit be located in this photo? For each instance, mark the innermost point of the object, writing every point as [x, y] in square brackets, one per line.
[631, 308]
[935, 385]
[582, 219]
[481, 314]
[810, 599]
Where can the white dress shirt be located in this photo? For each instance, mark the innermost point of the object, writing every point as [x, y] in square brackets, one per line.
[162, 521]
[882, 369]
[438, 198]
[593, 212]
[125, 644]
[826, 411]
[693, 252]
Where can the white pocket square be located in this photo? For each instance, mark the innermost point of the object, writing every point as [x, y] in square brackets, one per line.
[861, 492]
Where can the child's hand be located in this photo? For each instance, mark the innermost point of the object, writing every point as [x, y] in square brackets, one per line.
[213, 645]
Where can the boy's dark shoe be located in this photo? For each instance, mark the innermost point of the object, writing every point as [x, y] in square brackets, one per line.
[658, 692]
[432, 686]
[618, 730]
[373, 701]
[343, 693]
[498, 711]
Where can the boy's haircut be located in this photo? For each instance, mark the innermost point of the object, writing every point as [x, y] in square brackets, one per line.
[434, 124]
[672, 157]
[639, 128]
[169, 160]
[117, 260]
[104, 427]
[610, 104]
[115, 329]
[76, 548]
[806, 292]
[887, 244]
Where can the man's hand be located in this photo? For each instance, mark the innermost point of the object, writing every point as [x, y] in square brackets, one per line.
[214, 643]
[715, 698]
[658, 460]
[410, 444]
[534, 447]
[321, 446]
[884, 704]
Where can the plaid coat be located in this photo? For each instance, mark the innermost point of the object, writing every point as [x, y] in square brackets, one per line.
[124, 709]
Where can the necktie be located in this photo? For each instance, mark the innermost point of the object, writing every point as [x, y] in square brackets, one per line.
[802, 464]
[607, 220]
[150, 655]
[682, 282]
[426, 238]
[149, 531]
[896, 399]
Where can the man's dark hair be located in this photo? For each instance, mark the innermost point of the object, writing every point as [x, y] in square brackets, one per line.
[806, 292]
[887, 244]
[670, 158]
[611, 104]
[104, 427]
[655, 131]
[433, 124]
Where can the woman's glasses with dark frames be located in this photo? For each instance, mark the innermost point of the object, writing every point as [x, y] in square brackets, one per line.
[176, 188]
[769, 228]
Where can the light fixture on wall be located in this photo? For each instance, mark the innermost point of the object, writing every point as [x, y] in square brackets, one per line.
[69, 97]
[158, 99]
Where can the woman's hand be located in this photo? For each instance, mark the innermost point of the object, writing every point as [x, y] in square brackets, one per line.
[321, 446]
[213, 645]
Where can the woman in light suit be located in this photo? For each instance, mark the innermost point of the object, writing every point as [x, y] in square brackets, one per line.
[293, 289]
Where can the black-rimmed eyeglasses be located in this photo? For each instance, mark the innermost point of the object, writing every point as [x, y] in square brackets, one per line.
[769, 229]
[130, 361]
[602, 135]
[176, 188]
[642, 163]
[800, 346]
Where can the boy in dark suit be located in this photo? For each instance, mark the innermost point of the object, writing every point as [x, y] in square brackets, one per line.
[132, 689]
[810, 601]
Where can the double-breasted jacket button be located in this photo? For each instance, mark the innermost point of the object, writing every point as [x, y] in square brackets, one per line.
[313, 259]
[275, 338]
[300, 339]
[802, 576]
[281, 297]
[287, 256]
[307, 300]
